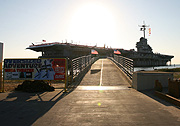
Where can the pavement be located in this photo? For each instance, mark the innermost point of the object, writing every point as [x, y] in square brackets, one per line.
[102, 98]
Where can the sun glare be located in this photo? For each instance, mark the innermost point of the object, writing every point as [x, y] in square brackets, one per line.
[92, 24]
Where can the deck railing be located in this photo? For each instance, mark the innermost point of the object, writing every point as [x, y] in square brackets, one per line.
[80, 63]
[125, 64]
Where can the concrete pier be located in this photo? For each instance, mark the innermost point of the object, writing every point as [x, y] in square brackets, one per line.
[103, 98]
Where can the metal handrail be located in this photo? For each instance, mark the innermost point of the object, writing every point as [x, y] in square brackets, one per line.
[80, 63]
[125, 64]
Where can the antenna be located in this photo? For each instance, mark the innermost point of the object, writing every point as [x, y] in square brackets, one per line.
[143, 27]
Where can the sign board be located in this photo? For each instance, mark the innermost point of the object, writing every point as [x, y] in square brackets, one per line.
[35, 69]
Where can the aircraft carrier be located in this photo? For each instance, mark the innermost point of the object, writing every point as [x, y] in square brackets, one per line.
[143, 57]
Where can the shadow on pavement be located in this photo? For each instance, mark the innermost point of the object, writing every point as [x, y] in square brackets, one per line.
[95, 71]
[19, 108]
[150, 93]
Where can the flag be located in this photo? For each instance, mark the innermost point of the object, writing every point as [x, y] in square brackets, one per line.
[94, 51]
[117, 52]
[149, 31]
[44, 40]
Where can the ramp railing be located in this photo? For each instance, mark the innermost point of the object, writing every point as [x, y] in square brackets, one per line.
[80, 63]
[125, 64]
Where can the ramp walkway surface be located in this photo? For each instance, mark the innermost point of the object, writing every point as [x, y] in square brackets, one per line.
[103, 98]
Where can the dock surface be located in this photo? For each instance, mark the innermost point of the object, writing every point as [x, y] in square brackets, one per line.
[103, 98]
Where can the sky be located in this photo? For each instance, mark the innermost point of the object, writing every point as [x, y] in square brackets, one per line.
[89, 22]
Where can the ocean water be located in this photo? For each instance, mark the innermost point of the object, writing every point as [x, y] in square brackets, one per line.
[158, 67]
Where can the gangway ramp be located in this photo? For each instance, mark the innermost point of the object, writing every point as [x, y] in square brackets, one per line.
[104, 99]
[104, 73]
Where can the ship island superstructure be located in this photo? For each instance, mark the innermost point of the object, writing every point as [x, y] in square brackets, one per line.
[144, 55]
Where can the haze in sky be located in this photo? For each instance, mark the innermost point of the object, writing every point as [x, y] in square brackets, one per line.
[90, 22]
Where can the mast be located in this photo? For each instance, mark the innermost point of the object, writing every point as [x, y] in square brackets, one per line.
[143, 28]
